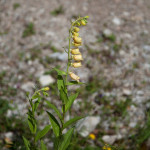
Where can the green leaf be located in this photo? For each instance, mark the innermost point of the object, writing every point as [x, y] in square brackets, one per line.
[36, 104]
[74, 82]
[60, 72]
[70, 102]
[63, 95]
[43, 146]
[60, 82]
[65, 140]
[71, 121]
[55, 124]
[32, 125]
[41, 133]
[26, 142]
[55, 109]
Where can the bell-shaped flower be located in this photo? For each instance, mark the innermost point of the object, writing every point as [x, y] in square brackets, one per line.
[74, 76]
[76, 44]
[75, 34]
[76, 64]
[77, 57]
[77, 40]
[83, 22]
[75, 51]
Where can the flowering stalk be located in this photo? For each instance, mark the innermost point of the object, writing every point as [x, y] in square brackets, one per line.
[58, 124]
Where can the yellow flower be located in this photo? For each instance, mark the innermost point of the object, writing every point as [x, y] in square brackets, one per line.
[77, 40]
[75, 34]
[74, 76]
[83, 22]
[76, 44]
[92, 136]
[76, 29]
[77, 57]
[106, 147]
[75, 51]
[76, 64]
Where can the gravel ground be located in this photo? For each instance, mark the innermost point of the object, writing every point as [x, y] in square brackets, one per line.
[116, 50]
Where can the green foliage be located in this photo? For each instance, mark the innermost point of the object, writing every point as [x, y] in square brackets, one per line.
[29, 30]
[55, 124]
[57, 11]
[27, 144]
[16, 5]
[43, 146]
[41, 133]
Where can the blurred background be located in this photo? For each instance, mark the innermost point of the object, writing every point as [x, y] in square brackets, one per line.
[116, 69]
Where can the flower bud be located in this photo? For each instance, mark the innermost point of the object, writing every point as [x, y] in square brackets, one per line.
[75, 51]
[76, 29]
[74, 76]
[77, 39]
[76, 64]
[77, 57]
[86, 17]
[46, 88]
[76, 44]
[83, 22]
[75, 34]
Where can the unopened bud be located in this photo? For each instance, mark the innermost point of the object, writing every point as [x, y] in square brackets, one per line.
[76, 44]
[76, 29]
[83, 22]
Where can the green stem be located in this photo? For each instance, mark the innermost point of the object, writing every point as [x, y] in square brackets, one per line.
[68, 63]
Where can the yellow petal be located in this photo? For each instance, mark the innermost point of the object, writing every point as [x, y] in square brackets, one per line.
[74, 76]
[75, 51]
[77, 44]
[83, 22]
[77, 57]
[77, 40]
[76, 64]
[75, 34]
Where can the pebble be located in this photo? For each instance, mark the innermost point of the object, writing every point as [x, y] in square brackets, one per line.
[45, 80]
[116, 21]
[109, 139]
[86, 125]
[59, 56]
[28, 86]
[126, 92]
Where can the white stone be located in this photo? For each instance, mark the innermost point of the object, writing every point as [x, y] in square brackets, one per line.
[59, 56]
[107, 32]
[109, 139]
[127, 92]
[87, 125]
[9, 135]
[46, 80]
[132, 124]
[116, 21]
[28, 86]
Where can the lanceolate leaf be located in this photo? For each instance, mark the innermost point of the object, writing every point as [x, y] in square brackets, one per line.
[43, 146]
[63, 95]
[60, 71]
[32, 124]
[60, 82]
[74, 82]
[55, 124]
[55, 109]
[26, 142]
[70, 102]
[71, 121]
[41, 133]
[65, 140]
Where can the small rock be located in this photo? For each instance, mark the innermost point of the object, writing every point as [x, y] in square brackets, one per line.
[132, 124]
[116, 21]
[9, 135]
[140, 93]
[28, 86]
[126, 92]
[107, 32]
[87, 125]
[46, 80]
[59, 56]
[146, 48]
[109, 139]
